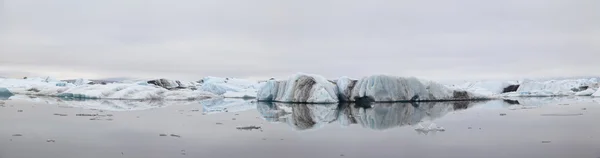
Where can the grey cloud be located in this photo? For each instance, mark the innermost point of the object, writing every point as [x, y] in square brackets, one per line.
[439, 40]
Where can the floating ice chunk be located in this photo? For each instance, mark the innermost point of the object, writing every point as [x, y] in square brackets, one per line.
[81, 81]
[587, 92]
[219, 88]
[132, 91]
[300, 88]
[5, 93]
[597, 93]
[382, 88]
[531, 88]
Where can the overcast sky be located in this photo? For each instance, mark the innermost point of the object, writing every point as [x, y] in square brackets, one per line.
[190, 39]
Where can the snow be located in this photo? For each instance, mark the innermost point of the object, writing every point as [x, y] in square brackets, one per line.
[300, 88]
[383, 88]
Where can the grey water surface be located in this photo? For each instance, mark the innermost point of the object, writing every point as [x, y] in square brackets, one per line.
[524, 127]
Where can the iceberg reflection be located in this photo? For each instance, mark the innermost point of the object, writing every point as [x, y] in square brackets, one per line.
[378, 116]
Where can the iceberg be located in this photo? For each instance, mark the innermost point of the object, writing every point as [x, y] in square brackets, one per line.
[171, 84]
[234, 82]
[489, 88]
[300, 88]
[230, 87]
[81, 81]
[345, 86]
[597, 93]
[133, 92]
[530, 88]
[5, 93]
[34, 86]
[587, 92]
[383, 88]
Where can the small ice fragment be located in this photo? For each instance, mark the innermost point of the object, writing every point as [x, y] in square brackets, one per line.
[248, 128]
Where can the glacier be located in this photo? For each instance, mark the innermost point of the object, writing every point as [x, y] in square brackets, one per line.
[299, 88]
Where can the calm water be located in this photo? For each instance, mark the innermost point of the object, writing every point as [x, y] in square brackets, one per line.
[537, 127]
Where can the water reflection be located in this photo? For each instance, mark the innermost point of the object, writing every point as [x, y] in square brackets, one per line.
[379, 116]
[209, 106]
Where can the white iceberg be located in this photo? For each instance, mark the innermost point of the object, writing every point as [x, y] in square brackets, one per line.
[530, 88]
[82, 81]
[133, 91]
[300, 88]
[382, 88]
[35, 86]
[489, 88]
[587, 92]
[230, 87]
[597, 93]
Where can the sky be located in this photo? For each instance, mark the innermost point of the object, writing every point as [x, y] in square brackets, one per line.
[191, 39]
